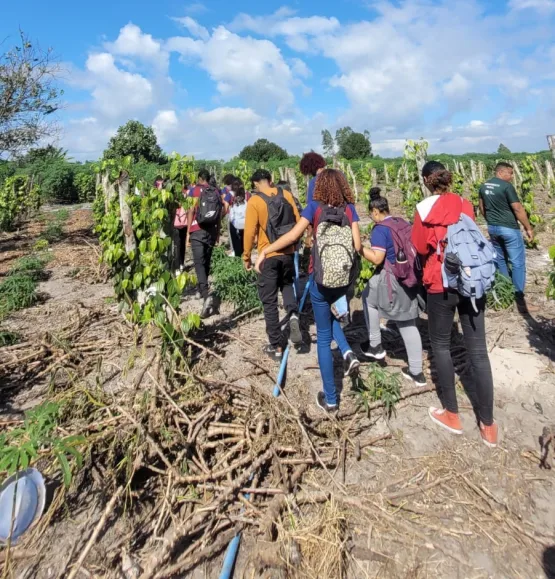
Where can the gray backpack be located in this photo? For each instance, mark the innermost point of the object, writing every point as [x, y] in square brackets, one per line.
[468, 260]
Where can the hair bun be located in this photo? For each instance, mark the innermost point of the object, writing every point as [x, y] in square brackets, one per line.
[375, 193]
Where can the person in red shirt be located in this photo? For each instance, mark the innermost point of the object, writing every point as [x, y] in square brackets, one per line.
[433, 217]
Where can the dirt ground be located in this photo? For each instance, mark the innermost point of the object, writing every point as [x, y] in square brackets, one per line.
[420, 503]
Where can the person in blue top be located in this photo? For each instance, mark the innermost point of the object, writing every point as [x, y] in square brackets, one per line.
[385, 297]
[312, 164]
[332, 190]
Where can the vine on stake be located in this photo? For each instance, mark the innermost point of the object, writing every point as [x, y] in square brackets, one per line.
[528, 201]
[19, 195]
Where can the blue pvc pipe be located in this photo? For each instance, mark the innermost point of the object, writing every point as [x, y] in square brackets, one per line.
[283, 366]
[231, 554]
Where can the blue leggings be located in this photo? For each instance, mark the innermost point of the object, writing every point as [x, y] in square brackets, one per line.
[327, 329]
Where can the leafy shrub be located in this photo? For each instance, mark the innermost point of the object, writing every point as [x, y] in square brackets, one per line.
[366, 273]
[379, 386]
[85, 184]
[18, 196]
[31, 265]
[61, 215]
[40, 245]
[54, 232]
[20, 446]
[233, 283]
[8, 338]
[17, 291]
[502, 294]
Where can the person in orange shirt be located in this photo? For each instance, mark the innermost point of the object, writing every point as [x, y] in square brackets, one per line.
[271, 213]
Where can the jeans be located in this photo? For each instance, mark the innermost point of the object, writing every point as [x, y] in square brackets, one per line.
[277, 274]
[202, 245]
[236, 236]
[441, 314]
[509, 246]
[327, 329]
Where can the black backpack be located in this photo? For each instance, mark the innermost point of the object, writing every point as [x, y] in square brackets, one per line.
[210, 207]
[281, 215]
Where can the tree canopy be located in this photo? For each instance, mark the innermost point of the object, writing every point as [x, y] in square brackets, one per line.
[28, 95]
[262, 151]
[328, 143]
[353, 145]
[136, 140]
[503, 150]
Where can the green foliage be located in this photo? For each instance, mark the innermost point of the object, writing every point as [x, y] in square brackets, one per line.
[85, 185]
[262, 151]
[366, 272]
[458, 184]
[31, 265]
[8, 338]
[53, 232]
[328, 144]
[17, 292]
[57, 181]
[528, 172]
[137, 141]
[380, 385]
[41, 245]
[19, 196]
[502, 294]
[20, 447]
[233, 283]
[28, 95]
[503, 150]
[551, 277]
[356, 146]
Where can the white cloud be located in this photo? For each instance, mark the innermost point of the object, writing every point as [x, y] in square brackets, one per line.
[133, 42]
[196, 8]
[194, 28]
[539, 5]
[300, 68]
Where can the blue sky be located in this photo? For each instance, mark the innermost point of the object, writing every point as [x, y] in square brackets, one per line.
[213, 76]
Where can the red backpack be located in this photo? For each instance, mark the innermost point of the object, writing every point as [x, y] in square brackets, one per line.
[407, 268]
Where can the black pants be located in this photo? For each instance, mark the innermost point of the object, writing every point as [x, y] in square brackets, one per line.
[441, 314]
[202, 245]
[277, 274]
[179, 241]
[237, 236]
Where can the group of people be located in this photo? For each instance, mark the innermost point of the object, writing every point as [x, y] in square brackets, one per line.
[415, 265]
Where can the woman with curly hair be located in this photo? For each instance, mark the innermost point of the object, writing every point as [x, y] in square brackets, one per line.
[312, 164]
[332, 195]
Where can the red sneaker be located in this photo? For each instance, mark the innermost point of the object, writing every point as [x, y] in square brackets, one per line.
[489, 434]
[448, 420]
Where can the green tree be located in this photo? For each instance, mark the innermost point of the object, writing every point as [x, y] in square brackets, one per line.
[328, 144]
[503, 150]
[56, 181]
[341, 135]
[28, 95]
[262, 151]
[136, 140]
[85, 184]
[48, 153]
[356, 146]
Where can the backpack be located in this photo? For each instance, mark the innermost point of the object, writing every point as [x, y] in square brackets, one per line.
[237, 215]
[468, 260]
[407, 267]
[180, 220]
[281, 215]
[210, 207]
[333, 252]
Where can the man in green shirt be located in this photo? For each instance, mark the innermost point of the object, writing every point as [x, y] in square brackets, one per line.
[502, 209]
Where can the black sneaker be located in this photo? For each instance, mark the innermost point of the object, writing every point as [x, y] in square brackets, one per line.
[295, 330]
[207, 308]
[321, 401]
[351, 364]
[376, 353]
[273, 353]
[418, 379]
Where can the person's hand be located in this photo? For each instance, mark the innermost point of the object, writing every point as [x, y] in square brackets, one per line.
[530, 234]
[259, 262]
[248, 265]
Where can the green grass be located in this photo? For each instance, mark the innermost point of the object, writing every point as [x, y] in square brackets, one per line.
[502, 295]
[32, 265]
[53, 232]
[61, 215]
[380, 385]
[8, 338]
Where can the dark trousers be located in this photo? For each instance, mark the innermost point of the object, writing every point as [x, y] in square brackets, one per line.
[179, 241]
[202, 245]
[237, 236]
[277, 274]
[441, 314]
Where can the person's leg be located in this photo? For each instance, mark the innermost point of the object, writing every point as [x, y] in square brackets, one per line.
[373, 325]
[177, 250]
[236, 244]
[324, 335]
[413, 345]
[268, 292]
[474, 331]
[285, 282]
[182, 245]
[499, 245]
[441, 313]
[199, 258]
[516, 251]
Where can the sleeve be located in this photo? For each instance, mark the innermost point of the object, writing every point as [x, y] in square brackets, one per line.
[354, 214]
[251, 229]
[419, 239]
[309, 212]
[379, 239]
[511, 194]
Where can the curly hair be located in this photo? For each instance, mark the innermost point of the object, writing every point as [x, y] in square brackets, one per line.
[440, 180]
[311, 162]
[333, 189]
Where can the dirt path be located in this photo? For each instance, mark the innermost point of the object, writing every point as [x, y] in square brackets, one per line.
[419, 504]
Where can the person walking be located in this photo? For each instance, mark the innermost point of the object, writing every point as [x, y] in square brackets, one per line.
[433, 217]
[180, 234]
[502, 209]
[385, 296]
[336, 239]
[203, 230]
[311, 165]
[270, 213]
[237, 216]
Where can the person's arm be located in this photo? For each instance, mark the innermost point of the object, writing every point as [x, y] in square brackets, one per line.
[357, 242]
[251, 231]
[482, 208]
[379, 242]
[284, 241]
[519, 211]
[190, 219]
[375, 256]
